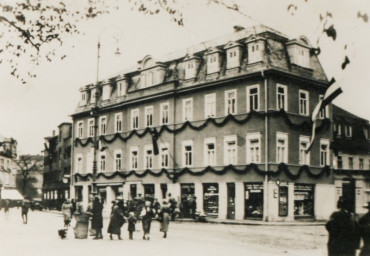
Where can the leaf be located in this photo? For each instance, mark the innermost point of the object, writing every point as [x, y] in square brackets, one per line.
[331, 32]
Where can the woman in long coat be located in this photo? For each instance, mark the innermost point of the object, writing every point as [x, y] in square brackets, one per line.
[117, 219]
[97, 218]
[146, 215]
[164, 218]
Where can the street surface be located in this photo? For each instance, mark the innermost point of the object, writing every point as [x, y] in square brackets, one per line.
[40, 238]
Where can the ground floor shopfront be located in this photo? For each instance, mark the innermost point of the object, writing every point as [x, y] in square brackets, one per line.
[231, 195]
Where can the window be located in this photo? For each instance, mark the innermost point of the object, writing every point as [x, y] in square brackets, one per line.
[339, 162]
[83, 97]
[366, 133]
[304, 158]
[350, 162]
[213, 63]
[230, 102]
[135, 118]
[106, 92]
[281, 147]
[233, 59]
[102, 161]
[91, 127]
[230, 153]
[210, 105]
[361, 163]
[149, 116]
[281, 97]
[79, 131]
[348, 130]
[121, 89]
[303, 103]
[118, 160]
[164, 115]
[103, 125]
[118, 122]
[324, 152]
[190, 69]
[133, 158]
[210, 151]
[253, 148]
[148, 157]
[324, 113]
[187, 153]
[93, 95]
[252, 98]
[164, 156]
[339, 131]
[254, 52]
[187, 105]
[79, 163]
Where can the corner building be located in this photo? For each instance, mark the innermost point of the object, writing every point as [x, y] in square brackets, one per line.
[232, 121]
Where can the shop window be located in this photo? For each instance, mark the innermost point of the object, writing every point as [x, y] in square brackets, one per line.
[149, 193]
[281, 97]
[187, 106]
[188, 200]
[254, 200]
[303, 103]
[210, 152]
[210, 199]
[230, 102]
[230, 150]
[164, 114]
[303, 200]
[91, 122]
[118, 122]
[103, 125]
[149, 116]
[210, 105]
[135, 118]
[252, 98]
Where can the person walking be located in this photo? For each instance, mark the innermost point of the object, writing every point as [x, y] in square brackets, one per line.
[97, 218]
[164, 218]
[25, 208]
[156, 207]
[344, 235]
[67, 212]
[117, 219]
[364, 225]
[146, 215]
[131, 224]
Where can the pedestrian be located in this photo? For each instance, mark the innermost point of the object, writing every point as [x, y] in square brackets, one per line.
[89, 211]
[67, 212]
[74, 206]
[131, 224]
[173, 206]
[6, 208]
[25, 208]
[156, 207]
[343, 231]
[117, 219]
[364, 225]
[97, 218]
[164, 218]
[146, 215]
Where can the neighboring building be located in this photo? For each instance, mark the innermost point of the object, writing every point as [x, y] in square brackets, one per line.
[57, 166]
[351, 147]
[233, 123]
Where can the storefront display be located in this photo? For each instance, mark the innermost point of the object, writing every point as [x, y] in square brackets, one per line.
[187, 203]
[254, 200]
[303, 200]
[210, 199]
[149, 192]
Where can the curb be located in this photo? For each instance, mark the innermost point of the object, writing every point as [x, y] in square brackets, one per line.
[255, 223]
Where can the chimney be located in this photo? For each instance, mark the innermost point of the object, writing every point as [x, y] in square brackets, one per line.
[53, 133]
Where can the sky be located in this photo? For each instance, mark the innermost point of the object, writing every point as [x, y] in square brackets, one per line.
[31, 112]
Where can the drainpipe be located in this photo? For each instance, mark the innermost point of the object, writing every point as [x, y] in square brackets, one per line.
[265, 185]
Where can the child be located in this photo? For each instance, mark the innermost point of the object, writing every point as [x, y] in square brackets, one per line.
[131, 224]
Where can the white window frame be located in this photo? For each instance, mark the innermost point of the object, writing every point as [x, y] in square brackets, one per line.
[103, 125]
[93, 95]
[80, 128]
[149, 113]
[252, 156]
[164, 155]
[227, 97]
[132, 166]
[106, 91]
[282, 136]
[228, 139]
[187, 114]
[118, 160]
[91, 126]
[254, 52]
[164, 115]
[233, 59]
[135, 114]
[213, 160]
[351, 162]
[249, 88]
[303, 104]
[102, 162]
[213, 63]
[118, 122]
[278, 96]
[210, 105]
[327, 143]
[148, 158]
[304, 158]
[186, 163]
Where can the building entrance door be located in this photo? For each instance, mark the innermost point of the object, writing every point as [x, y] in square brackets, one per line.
[254, 200]
[231, 201]
[349, 193]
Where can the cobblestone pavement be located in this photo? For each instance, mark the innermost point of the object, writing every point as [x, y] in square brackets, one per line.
[39, 237]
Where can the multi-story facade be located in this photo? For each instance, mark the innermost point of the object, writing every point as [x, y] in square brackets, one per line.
[232, 117]
[57, 166]
[351, 148]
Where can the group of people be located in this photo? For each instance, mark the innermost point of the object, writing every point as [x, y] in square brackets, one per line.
[120, 214]
[346, 230]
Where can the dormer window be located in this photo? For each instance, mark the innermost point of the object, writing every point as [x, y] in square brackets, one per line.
[191, 69]
[213, 64]
[121, 88]
[92, 96]
[106, 92]
[299, 52]
[255, 51]
[83, 98]
[152, 72]
[233, 55]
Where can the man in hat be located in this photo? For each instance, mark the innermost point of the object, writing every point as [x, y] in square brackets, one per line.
[364, 224]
